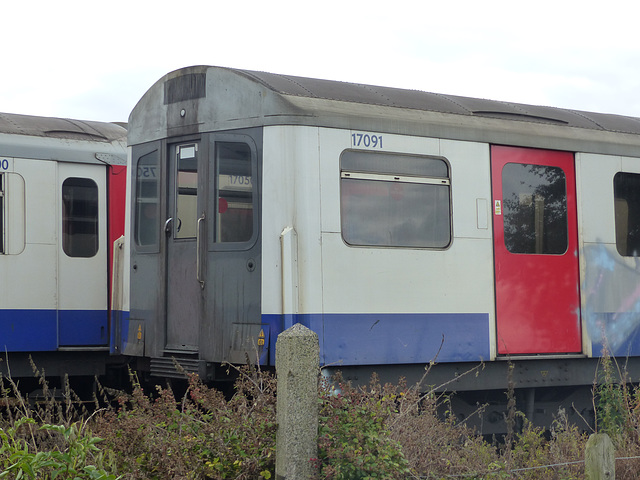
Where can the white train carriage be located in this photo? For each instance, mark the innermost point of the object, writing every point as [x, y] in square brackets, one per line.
[401, 226]
[56, 235]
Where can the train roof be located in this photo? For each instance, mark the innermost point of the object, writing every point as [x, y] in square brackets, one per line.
[62, 139]
[242, 98]
[436, 102]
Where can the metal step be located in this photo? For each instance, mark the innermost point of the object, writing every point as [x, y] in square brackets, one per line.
[188, 363]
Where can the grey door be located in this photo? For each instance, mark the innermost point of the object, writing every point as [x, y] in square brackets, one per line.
[185, 229]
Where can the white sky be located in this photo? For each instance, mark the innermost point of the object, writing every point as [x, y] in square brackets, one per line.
[93, 60]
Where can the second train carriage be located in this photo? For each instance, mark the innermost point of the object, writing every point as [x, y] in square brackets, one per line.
[62, 192]
[403, 227]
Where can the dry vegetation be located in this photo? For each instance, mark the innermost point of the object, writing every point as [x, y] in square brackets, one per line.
[377, 431]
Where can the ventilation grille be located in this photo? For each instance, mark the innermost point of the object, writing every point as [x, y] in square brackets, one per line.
[185, 87]
[166, 367]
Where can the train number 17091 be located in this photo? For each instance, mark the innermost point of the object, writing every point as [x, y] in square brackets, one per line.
[367, 140]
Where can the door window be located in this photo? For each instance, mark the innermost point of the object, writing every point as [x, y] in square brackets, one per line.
[80, 217]
[236, 192]
[535, 209]
[186, 191]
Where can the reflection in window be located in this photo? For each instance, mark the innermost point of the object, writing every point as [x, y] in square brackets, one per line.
[392, 200]
[626, 190]
[187, 192]
[80, 217]
[147, 215]
[234, 222]
[534, 201]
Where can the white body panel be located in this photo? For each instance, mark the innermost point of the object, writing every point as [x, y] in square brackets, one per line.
[302, 191]
[82, 282]
[28, 272]
[36, 273]
[609, 281]
[291, 198]
[125, 286]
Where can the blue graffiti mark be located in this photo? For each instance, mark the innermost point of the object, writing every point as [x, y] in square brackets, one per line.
[612, 302]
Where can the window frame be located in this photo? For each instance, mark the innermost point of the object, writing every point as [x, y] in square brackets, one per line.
[630, 250]
[70, 219]
[535, 203]
[397, 175]
[145, 152]
[254, 154]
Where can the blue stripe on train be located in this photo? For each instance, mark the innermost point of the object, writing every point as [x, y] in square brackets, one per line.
[46, 330]
[375, 339]
[83, 327]
[119, 331]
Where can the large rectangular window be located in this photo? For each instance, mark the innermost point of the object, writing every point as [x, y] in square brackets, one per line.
[394, 200]
[626, 191]
[80, 217]
[234, 222]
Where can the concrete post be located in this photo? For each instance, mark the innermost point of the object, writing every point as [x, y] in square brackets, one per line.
[297, 369]
[599, 458]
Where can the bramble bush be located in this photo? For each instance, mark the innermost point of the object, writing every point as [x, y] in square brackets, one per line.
[200, 436]
[354, 441]
[365, 432]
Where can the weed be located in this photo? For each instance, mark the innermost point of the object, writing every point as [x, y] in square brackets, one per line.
[377, 431]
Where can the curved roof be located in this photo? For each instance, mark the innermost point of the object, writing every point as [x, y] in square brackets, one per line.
[200, 99]
[62, 139]
[435, 102]
[14, 124]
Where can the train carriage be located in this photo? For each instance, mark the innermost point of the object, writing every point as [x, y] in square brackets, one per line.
[403, 227]
[62, 192]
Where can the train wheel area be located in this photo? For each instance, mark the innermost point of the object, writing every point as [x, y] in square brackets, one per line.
[484, 395]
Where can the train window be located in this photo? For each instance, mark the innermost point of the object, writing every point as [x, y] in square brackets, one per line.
[146, 225]
[234, 222]
[187, 191]
[626, 191]
[1, 213]
[80, 217]
[393, 200]
[534, 203]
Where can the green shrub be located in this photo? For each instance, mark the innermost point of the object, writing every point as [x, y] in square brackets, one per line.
[78, 458]
[613, 398]
[353, 439]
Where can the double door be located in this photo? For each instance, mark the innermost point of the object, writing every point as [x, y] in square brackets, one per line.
[210, 228]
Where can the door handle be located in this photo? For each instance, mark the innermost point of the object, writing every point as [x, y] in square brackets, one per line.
[167, 226]
[199, 256]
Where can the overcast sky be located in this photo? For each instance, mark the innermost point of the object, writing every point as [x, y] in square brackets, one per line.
[93, 59]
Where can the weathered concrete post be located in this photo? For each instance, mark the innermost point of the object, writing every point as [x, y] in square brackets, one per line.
[297, 369]
[599, 458]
